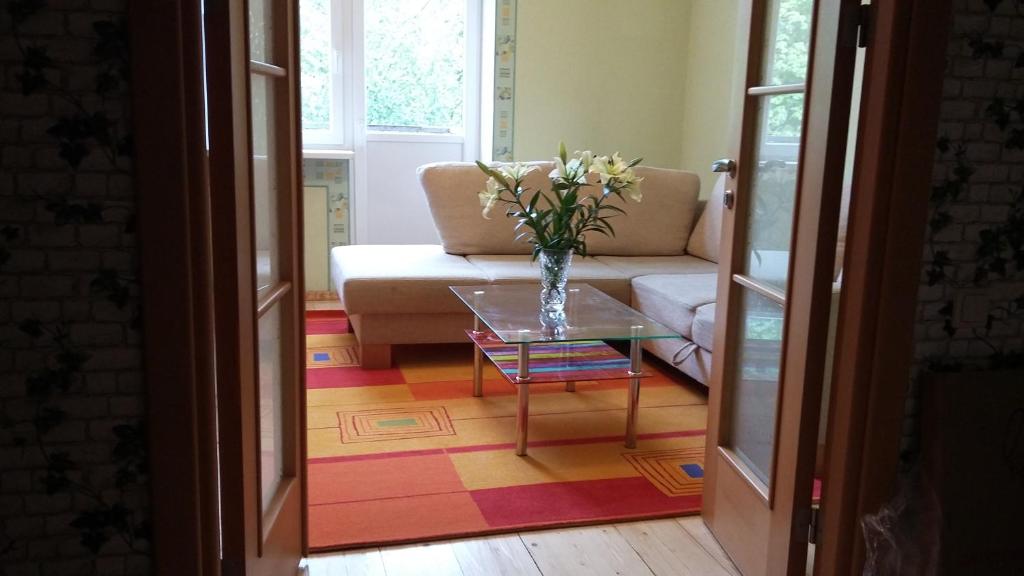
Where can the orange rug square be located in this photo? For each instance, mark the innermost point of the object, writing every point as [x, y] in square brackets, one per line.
[381, 478]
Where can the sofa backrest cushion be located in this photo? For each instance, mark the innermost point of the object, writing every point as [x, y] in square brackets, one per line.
[708, 231]
[451, 189]
[660, 225]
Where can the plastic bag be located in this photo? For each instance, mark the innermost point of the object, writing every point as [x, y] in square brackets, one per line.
[902, 537]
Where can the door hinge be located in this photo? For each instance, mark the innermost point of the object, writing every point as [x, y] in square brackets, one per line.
[812, 526]
[864, 25]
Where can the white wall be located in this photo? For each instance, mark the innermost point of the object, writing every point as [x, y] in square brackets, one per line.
[396, 208]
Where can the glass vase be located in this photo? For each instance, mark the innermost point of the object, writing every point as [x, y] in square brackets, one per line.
[554, 273]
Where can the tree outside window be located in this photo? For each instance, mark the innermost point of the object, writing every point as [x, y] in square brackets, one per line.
[415, 54]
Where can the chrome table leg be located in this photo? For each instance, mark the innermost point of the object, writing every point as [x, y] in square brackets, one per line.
[633, 402]
[523, 405]
[478, 362]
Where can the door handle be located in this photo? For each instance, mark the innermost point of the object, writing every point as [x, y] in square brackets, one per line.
[727, 165]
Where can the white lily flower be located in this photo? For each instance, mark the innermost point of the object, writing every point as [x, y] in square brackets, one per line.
[559, 171]
[586, 159]
[489, 197]
[573, 171]
[575, 167]
[633, 191]
[516, 171]
[631, 185]
[609, 169]
[567, 171]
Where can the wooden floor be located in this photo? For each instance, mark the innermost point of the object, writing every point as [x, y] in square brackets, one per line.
[675, 546]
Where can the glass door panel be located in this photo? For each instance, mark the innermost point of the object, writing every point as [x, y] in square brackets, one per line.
[787, 42]
[265, 185]
[759, 356]
[773, 188]
[270, 403]
[261, 30]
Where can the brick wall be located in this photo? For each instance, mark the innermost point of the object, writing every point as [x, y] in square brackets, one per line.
[977, 178]
[70, 267]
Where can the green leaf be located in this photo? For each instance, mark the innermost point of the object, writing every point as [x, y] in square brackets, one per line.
[533, 201]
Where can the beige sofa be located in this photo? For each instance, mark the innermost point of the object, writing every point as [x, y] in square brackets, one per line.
[662, 261]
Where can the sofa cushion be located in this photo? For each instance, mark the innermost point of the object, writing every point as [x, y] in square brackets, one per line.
[520, 269]
[707, 233]
[673, 299]
[451, 189]
[704, 326]
[634, 266]
[381, 279]
[658, 226]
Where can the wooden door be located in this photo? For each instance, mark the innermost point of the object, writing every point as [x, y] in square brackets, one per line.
[775, 279]
[252, 78]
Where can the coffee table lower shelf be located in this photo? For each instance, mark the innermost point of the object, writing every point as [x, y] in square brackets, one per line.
[525, 364]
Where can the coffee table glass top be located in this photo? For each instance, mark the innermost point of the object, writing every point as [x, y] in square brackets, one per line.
[512, 312]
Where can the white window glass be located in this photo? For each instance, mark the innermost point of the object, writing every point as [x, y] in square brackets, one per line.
[415, 52]
[315, 55]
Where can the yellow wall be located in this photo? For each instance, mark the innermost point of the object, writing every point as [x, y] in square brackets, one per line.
[711, 101]
[600, 74]
[650, 78]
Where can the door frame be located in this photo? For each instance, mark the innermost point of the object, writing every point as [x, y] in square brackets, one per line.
[176, 276]
[895, 154]
[899, 115]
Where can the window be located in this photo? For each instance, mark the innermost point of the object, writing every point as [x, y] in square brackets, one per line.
[412, 64]
[322, 30]
[415, 53]
[315, 23]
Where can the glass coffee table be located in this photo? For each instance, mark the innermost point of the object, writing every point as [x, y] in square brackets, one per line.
[507, 329]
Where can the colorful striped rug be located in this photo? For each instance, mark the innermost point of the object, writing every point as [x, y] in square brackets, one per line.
[408, 454]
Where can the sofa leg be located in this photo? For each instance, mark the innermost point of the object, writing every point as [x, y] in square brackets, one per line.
[375, 356]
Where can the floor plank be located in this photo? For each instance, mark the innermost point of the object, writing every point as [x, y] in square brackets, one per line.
[694, 525]
[494, 556]
[669, 550]
[592, 550]
[358, 563]
[436, 559]
[681, 546]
